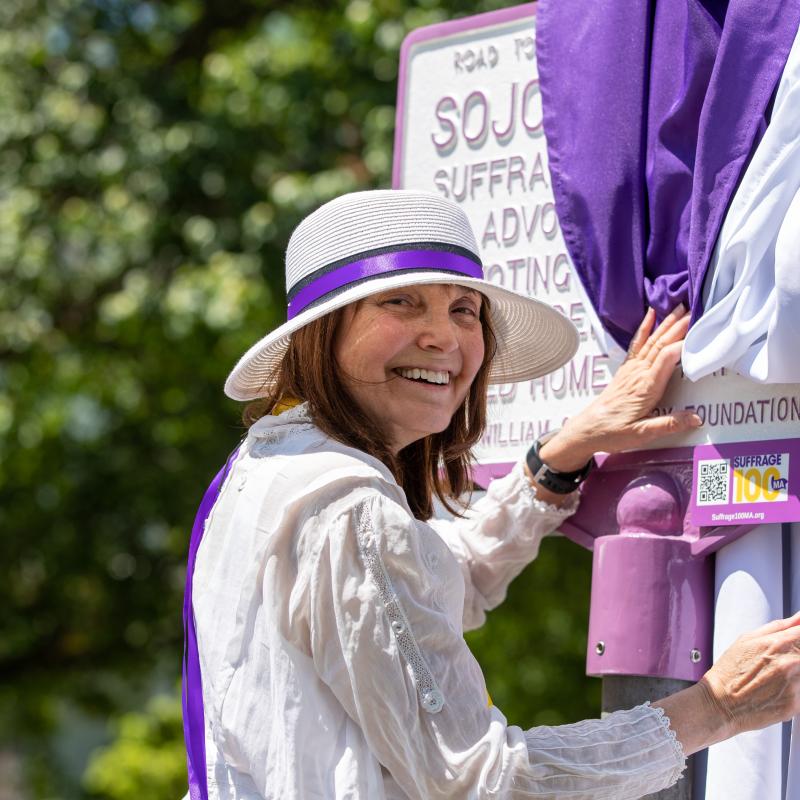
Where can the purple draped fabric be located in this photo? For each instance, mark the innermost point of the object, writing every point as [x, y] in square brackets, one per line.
[651, 110]
[192, 688]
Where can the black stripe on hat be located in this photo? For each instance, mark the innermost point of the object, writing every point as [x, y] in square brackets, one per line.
[378, 251]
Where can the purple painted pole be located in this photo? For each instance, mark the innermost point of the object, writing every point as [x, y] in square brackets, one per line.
[652, 580]
[651, 598]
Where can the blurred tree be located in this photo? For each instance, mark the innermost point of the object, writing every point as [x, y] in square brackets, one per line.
[147, 758]
[154, 158]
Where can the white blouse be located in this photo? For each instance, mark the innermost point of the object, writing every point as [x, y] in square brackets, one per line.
[330, 628]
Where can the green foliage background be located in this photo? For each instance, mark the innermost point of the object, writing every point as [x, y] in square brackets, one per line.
[154, 158]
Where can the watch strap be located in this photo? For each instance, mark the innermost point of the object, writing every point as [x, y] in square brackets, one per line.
[553, 480]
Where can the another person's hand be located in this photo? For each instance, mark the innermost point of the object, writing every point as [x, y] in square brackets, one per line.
[755, 683]
[619, 418]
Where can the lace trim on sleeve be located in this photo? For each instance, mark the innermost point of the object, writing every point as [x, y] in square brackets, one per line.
[679, 754]
[430, 696]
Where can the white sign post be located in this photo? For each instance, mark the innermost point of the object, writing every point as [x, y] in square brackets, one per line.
[469, 126]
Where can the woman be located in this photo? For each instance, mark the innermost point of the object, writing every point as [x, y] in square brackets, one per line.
[330, 607]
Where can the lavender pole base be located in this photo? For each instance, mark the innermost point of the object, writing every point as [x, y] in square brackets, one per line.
[651, 611]
[652, 575]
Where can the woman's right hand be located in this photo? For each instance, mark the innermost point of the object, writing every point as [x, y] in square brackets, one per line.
[755, 683]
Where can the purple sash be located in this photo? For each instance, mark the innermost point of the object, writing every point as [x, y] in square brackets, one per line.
[192, 690]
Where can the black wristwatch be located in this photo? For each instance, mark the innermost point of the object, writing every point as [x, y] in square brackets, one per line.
[550, 479]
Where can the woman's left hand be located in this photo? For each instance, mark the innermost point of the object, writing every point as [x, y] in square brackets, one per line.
[619, 418]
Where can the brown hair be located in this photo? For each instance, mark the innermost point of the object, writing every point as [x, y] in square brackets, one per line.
[437, 463]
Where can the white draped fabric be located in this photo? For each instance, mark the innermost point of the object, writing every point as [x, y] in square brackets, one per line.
[752, 319]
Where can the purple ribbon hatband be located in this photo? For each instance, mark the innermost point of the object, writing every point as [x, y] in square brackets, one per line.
[372, 266]
[192, 688]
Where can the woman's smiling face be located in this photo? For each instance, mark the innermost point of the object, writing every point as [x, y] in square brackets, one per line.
[409, 355]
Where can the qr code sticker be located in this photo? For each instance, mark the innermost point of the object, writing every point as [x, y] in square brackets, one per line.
[713, 482]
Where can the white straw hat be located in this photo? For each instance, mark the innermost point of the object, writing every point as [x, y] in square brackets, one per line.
[367, 242]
